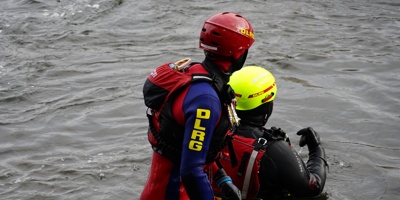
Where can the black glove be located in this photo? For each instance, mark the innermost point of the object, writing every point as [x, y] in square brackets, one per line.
[309, 137]
[224, 182]
[276, 134]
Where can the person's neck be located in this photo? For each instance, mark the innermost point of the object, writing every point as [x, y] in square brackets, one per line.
[252, 122]
[216, 65]
[220, 79]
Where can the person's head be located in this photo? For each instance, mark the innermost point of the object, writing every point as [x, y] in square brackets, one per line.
[255, 90]
[226, 37]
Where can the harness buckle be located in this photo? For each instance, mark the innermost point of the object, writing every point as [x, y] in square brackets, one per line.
[262, 141]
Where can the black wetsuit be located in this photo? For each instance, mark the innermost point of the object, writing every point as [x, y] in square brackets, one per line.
[283, 173]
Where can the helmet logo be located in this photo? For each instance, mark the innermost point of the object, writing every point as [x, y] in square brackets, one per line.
[247, 32]
[262, 92]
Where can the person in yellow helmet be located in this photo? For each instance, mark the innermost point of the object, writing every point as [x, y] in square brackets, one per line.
[263, 164]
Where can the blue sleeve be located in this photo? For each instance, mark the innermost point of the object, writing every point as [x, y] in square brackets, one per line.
[202, 110]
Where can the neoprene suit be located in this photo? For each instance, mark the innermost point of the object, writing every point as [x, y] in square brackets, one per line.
[283, 173]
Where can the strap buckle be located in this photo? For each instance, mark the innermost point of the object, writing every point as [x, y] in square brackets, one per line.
[262, 141]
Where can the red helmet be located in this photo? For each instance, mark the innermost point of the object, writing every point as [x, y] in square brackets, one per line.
[226, 34]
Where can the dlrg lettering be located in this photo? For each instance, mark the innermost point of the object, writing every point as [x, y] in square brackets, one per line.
[198, 133]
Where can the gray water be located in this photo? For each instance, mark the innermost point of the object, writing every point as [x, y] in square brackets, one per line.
[72, 118]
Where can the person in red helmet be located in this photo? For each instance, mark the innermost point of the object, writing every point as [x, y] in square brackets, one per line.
[189, 130]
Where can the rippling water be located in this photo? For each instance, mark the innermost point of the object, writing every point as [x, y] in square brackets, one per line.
[72, 118]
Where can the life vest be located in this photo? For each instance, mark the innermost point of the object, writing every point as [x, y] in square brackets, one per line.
[248, 153]
[244, 175]
[165, 134]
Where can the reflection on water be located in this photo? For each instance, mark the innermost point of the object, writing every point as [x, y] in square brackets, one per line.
[72, 118]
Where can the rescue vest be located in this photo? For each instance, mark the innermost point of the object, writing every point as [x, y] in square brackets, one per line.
[248, 152]
[244, 175]
[165, 134]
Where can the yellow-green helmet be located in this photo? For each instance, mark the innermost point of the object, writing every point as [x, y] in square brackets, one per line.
[253, 86]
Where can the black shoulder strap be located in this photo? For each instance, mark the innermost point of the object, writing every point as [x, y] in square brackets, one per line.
[234, 161]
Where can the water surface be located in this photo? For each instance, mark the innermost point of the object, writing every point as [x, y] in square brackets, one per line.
[72, 118]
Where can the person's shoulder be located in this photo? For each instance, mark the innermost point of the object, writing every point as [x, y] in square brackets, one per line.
[279, 148]
[197, 68]
[203, 88]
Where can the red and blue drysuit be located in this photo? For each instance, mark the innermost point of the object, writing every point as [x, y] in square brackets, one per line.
[191, 127]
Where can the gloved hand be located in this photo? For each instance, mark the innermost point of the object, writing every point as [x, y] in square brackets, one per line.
[279, 133]
[224, 182]
[309, 137]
